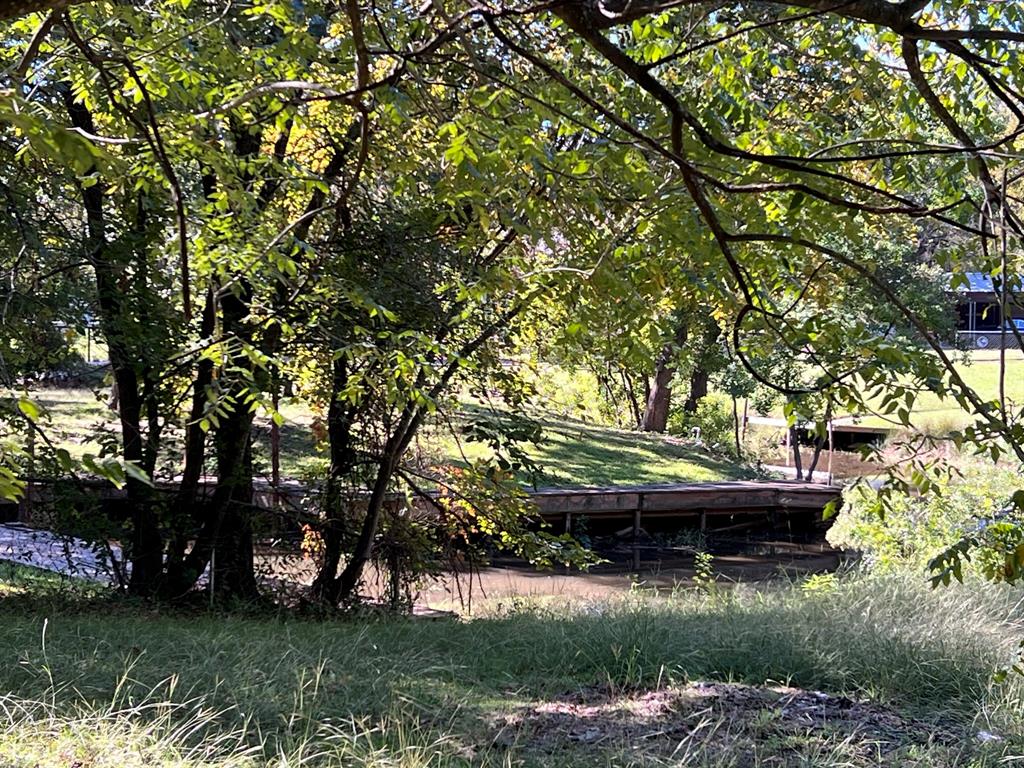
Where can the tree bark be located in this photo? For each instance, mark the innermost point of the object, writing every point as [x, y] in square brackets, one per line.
[225, 536]
[225, 539]
[326, 586]
[698, 389]
[233, 573]
[819, 445]
[184, 513]
[145, 540]
[736, 426]
[701, 371]
[659, 401]
[794, 440]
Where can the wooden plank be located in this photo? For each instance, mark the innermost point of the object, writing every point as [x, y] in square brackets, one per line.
[710, 499]
[586, 503]
[807, 500]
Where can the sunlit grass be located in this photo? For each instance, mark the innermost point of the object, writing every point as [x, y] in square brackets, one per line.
[571, 453]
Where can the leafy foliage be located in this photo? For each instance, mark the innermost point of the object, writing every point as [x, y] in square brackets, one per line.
[377, 207]
[922, 529]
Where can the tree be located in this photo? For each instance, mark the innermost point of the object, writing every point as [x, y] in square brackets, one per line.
[758, 147]
[194, 178]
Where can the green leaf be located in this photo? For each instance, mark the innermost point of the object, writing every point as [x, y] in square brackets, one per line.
[29, 409]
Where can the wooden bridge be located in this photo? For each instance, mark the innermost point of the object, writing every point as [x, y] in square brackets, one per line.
[724, 497]
[712, 506]
[783, 512]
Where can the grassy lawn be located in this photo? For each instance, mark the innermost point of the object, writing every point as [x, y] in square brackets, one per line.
[572, 452]
[980, 370]
[871, 672]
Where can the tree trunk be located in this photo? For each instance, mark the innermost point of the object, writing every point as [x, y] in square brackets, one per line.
[226, 533]
[234, 575]
[634, 403]
[659, 401]
[326, 586]
[736, 426]
[698, 389]
[819, 445]
[185, 514]
[794, 439]
[352, 575]
[145, 541]
[390, 456]
[701, 373]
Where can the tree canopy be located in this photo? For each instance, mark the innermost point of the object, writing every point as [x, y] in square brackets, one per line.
[375, 204]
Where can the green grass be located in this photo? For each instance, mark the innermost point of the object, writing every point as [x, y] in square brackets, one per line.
[571, 453]
[980, 371]
[24, 580]
[574, 453]
[120, 685]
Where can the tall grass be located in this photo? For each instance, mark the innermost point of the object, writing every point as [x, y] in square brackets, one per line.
[120, 689]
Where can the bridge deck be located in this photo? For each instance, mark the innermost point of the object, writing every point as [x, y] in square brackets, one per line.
[669, 499]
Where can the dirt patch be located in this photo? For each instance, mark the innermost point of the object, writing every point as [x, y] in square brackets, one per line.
[730, 720]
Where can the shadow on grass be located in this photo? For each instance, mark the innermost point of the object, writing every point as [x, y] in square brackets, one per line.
[930, 654]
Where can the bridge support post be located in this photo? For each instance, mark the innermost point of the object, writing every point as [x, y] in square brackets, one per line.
[637, 519]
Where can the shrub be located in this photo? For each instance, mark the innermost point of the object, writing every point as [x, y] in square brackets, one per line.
[715, 419]
[913, 529]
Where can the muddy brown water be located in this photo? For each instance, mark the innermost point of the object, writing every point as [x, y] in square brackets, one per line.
[660, 571]
[507, 578]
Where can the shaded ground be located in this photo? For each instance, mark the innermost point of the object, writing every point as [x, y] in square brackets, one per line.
[905, 675]
[727, 719]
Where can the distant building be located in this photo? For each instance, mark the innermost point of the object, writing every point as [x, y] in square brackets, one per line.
[979, 319]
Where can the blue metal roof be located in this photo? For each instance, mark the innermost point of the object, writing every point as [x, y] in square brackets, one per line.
[978, 282]
[982, 282]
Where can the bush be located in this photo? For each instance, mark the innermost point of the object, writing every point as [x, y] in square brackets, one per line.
[913, 529]
[575, 394]
[715, 419]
